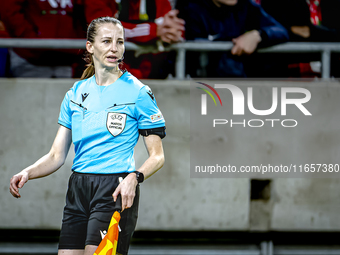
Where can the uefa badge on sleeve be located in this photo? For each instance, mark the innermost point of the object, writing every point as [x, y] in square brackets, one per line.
[156, 117]
[115, 123]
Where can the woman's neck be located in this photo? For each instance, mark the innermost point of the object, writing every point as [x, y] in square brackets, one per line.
[106, 77]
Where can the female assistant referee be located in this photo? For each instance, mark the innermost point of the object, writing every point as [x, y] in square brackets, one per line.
[103, 115]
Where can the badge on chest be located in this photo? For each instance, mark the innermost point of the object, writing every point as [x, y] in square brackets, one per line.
[115, 122]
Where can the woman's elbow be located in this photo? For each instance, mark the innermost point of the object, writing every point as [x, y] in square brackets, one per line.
[161, 160]
[57, 158]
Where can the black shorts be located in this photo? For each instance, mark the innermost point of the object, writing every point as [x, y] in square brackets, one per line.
[88, 211]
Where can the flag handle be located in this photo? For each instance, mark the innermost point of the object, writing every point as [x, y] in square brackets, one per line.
[119, 198]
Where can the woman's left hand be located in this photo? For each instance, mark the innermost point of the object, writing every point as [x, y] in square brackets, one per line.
[127, 190]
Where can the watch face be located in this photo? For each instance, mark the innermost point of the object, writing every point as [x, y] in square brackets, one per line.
[140, 177]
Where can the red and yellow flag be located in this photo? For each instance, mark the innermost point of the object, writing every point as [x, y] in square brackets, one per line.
[108, 245]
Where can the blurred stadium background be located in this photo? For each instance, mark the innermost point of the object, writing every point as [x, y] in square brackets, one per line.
[178, 214]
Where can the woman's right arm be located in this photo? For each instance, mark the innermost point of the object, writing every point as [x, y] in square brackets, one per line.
[46, 165]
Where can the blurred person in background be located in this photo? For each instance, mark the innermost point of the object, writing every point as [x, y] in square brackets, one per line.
[145, 22]
[43, 19]
[307, 21]
[242, 22]
[3, 51]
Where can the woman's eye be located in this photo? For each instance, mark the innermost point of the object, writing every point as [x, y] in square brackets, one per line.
[120, 42]
[106, 41]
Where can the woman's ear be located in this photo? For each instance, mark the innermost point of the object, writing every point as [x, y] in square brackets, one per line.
[89, 47]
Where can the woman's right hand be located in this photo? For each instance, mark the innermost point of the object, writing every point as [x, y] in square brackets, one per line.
[47, 164]
[17, 182]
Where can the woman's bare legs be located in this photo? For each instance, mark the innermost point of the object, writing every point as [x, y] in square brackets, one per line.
[70, 252]
[89, 250]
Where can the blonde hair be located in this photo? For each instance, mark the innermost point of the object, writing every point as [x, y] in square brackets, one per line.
[91, 34]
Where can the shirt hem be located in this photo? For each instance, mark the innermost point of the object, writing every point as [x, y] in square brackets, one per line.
[64, 125]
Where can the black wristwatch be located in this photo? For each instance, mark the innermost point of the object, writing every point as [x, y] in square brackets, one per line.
[139, 176]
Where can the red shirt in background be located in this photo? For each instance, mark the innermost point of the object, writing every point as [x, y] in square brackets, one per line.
[42, 19]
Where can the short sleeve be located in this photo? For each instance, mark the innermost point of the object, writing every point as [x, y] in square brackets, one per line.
[147, 112]
[65, 115]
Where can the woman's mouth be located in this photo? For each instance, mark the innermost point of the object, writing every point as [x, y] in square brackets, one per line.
[112, 59]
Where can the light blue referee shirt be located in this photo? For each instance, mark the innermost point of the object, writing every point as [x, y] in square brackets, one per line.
[105, 122]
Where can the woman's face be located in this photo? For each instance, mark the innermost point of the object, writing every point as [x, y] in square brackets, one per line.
[108, 46]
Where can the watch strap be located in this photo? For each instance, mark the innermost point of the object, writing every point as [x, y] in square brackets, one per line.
[139, 176]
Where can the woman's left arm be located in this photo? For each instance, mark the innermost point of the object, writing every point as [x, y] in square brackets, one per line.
[127, 187]
[153, 144]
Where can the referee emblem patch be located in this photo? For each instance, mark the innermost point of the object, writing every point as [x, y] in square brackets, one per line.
[156, 117]
[115, 122]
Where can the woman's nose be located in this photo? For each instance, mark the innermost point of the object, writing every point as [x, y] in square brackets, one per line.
[113, 46]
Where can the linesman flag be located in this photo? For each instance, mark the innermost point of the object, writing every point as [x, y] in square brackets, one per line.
[108, 245]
